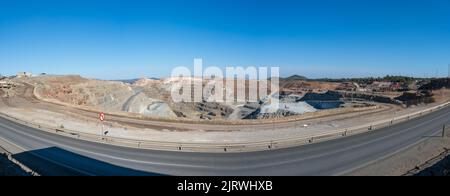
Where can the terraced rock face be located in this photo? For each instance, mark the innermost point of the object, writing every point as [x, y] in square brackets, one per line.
[147, 106]
[152, 98]
[147, 97]
[104, 95]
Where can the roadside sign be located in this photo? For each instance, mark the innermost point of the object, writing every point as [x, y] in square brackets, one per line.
[102, 116]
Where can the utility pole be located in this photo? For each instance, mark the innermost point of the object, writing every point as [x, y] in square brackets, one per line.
[448, 76]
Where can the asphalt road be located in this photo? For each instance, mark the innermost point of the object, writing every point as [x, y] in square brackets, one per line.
[51, 154]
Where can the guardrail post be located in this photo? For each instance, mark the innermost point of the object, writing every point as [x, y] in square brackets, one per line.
[443, 131]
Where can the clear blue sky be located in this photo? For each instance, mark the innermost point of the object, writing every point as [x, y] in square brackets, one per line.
[316, 38]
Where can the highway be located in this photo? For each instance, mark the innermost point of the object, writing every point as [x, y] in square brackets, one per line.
[51, 154]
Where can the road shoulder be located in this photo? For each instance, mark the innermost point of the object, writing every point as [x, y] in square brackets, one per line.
[10, 166]
[409, 159]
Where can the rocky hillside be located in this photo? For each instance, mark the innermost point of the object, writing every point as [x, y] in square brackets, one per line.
[152, 97]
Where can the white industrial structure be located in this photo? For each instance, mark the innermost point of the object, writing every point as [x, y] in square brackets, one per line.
[24, 74]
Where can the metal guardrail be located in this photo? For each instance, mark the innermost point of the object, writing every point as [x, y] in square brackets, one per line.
[8, 155]
[230, 147]
[429, 163]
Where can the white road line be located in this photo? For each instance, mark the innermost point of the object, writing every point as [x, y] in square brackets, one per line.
[103, 155]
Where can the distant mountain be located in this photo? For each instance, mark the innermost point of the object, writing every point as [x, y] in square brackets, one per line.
[131, 81]
[296, 77]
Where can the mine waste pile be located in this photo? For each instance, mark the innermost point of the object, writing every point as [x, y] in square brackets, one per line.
[152, 98]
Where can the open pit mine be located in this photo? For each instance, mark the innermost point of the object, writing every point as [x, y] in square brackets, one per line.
[152, 97]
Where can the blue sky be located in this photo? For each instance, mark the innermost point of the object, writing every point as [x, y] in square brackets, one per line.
[316, 38]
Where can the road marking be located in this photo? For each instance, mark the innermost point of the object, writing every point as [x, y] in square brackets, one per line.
[350, 147]
[21, 149]
[99, 154]
[183, 165]
[242, 167]
[15, 161]
[384, 156]
[40, 156]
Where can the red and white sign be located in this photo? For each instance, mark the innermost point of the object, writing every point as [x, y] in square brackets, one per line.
[102, 116]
